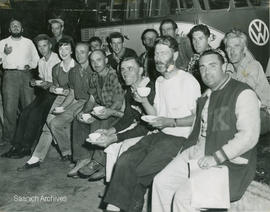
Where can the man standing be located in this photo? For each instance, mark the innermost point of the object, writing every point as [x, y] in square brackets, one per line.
[34, 115]
[174, 111]
[169, 27]
[57, 27]
[225, 132]
[147, 58]
[250, 71]
[19, 56]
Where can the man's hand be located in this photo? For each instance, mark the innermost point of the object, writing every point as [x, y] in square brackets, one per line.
[106, 132]
[7, 49]
[105, 113]
[33, 82]
[206, 162]
[138, 98]
[45, 85]
[105, 140]
[26, 67]
[161, 122]
[88, 121]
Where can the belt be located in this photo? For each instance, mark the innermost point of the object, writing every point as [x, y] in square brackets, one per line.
[16, 70]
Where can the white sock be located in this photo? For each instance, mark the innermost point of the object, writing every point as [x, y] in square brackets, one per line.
[33, 159]
[112, 208]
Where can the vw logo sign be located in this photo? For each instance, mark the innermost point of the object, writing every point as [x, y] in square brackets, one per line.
[258, 32]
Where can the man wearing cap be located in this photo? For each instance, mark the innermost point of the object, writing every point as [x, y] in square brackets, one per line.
[18, 55]
[57, 27]
[34, 115]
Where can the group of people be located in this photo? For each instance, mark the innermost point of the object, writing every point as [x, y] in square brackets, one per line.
[203, 104]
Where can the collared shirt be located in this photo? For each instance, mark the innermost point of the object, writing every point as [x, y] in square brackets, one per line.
[108, 93]
[251, 72]
[176, 98]
[23, 53]
[60, 75]
[45, 67]
[79, 81]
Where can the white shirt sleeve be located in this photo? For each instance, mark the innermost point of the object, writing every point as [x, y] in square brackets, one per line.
[34, 56]
[247, 112]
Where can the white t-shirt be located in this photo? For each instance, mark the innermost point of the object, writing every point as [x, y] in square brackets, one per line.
[176, 98]
[45, 67]
[23, 53]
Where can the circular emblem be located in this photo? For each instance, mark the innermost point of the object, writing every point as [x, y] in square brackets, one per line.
[258, 32]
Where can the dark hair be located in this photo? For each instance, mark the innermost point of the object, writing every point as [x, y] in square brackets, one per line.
[98, 50]
[115, 35]
[200, 28]
[135, 58]
[168, 41]
[148, 30]
[42, 37]
[95, 39]
[65, 41]
[215, 52]
[167, 21]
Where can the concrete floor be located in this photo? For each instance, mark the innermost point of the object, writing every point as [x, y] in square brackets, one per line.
[45, 189]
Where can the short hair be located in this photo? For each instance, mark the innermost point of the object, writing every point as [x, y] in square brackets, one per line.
[200, 28]
[215, 52]
[42, 37]
[66, 41]
[167, 21]
[82, 43]
[135, 58]
[149, 30]
[95, 39]
[236, 33]
[15, 19]
[99, 50]
[115, 35]
[168, 41]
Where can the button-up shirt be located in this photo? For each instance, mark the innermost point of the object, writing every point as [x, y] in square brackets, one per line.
[23, 53]
[251, 72]
[45, 67]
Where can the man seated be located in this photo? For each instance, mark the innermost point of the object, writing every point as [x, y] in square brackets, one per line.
[131, 71]
[200, 36]
[147, 58]
[250, 71]
[34, 115]
[225, 132]
[173, 110]
[116, 42]
[105, 90]
[169, 27]
[95, 43]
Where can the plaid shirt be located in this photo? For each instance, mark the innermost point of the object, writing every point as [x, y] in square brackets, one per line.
[110, 92]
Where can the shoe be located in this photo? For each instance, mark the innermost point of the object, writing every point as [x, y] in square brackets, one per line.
[81, 163]
[89, 169]
[66, 158]
[21, 153]
[13, 150]
[99, 175]
[28, 166]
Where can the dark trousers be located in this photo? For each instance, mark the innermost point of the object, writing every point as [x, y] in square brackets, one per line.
[16, 92]
[82, 149]
[32, 120]
[136, 168]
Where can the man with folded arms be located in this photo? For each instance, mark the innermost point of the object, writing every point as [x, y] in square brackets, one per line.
[19, 56]
[225, 132]
[34, 115]
[250, 71]
[105, 90]
[174, 105]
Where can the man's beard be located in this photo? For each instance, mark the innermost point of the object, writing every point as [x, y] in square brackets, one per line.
[16, 35]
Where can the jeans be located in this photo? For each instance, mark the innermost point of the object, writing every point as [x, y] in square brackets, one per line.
[16, 91]
[46, 138]
[136, 168]
[61, 126]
